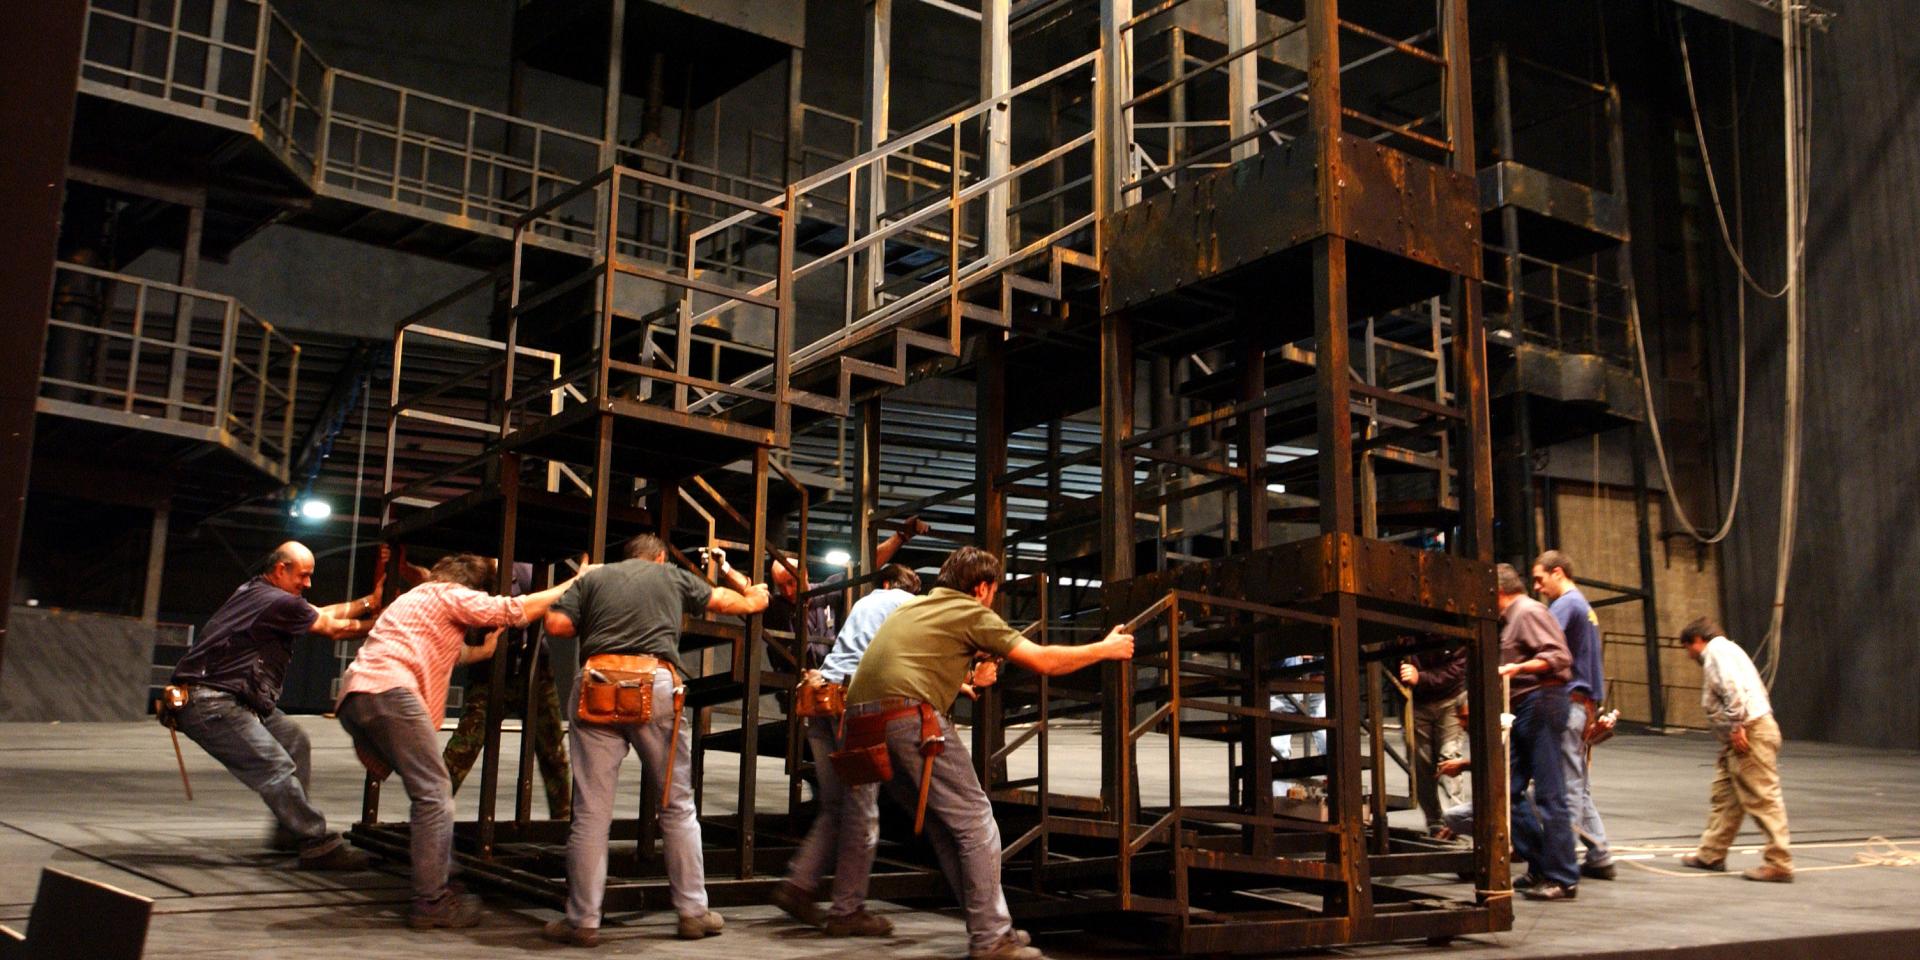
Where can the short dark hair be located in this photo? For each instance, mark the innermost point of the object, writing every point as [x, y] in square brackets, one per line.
[1508, 579]
[901, 576]
[465, 569]
[1702, 628]
[967, 568]
[1554, 558]
[644, 546]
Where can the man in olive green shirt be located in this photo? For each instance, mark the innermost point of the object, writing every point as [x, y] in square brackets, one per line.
[922, 654]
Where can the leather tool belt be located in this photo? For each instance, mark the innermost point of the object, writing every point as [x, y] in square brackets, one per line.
[816, 696]
[616, 689]
[864, 757]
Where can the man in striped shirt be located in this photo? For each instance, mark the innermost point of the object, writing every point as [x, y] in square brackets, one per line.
[394, 695]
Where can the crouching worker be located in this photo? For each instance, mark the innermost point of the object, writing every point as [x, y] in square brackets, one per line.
[826, 840]
[897, 731]
[627, 616]
[231, 678]
[394, 695]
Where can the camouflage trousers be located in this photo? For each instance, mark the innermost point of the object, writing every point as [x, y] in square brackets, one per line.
[549, 744]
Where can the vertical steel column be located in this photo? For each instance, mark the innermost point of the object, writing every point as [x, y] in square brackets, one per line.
[1243, 77]
[879, 47]
[996, 78]
[750, 698]
[188, 276]
[990, 517]
[1649, 609]
[1113, 127]
[509, 481]
[616, 80]
[867, 482]
[156, 566]
[1116, 528]
[1253, 435]
[796, 121]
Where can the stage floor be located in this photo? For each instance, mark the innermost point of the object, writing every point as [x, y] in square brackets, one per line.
[104, 801]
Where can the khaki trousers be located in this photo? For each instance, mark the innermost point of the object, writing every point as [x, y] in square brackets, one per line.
[1749, 786]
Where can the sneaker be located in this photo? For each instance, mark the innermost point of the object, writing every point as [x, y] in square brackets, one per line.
[1008, 947]
[1767, 873]
[452, 910]
[560, 931]
[1551, 891]
[1698, 862]
[797, 903]
[859, 924]
[338, 857]
[1598, 871]
[707, 924]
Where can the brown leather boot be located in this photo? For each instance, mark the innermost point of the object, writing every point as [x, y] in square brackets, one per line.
[1768, 873]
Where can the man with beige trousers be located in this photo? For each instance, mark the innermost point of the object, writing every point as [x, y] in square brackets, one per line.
[1747, 778]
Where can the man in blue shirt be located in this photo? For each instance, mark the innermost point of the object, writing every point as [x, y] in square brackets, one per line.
[825, 838]
[1553, 578]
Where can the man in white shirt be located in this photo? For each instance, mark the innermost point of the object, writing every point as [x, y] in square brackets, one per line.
[1747, 778]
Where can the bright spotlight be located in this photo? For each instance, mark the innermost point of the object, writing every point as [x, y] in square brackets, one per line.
[314, 508]
[1276, 488]
[838, 558]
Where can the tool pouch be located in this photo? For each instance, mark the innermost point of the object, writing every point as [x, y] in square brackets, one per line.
[167, 708]
[617, 689]
[815, 696]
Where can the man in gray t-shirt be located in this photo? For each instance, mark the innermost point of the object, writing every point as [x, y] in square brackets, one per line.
[635, 607]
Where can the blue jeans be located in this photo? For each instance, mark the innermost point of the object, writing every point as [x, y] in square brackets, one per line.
[269, 754]
[1544, 840]
[392, 726]
[1573, 762]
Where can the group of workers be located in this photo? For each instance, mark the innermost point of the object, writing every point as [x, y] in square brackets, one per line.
[887, 679]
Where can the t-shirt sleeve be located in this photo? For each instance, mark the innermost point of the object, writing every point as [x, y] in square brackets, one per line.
[992, 635]
[292, 615]
[574, 600]
[695, 591]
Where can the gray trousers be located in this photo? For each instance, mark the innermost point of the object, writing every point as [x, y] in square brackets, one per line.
[846, 829]
[1588, 829]
[392, 726]
[269, 754]
[1437, 736]
[598, 752]
[958, 812]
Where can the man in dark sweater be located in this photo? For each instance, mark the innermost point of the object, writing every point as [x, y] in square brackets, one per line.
[233, 674]
[1438, 679]
[1535, 661]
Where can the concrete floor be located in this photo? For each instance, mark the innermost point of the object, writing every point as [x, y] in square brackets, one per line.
[104, 801]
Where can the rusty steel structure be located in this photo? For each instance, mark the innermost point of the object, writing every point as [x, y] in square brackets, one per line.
[1195, 288]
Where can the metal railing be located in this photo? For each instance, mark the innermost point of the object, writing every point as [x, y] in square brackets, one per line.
[193, 56]
[1561, 305]
[653, 344]
[868, 283]
[159, 356]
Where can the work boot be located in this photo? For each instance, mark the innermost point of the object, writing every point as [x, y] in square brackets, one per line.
[1598, 871]
[705, 925]
[1698, 862]
[859, 924]
[797, 903]
[560, 931]
[1768, 873]
[1008, 947]
[1527, 881]
[281, 839]
[453, 910]
[337, 857]
[1551, 891]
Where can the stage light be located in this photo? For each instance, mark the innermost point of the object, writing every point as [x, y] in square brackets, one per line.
[1276, 488]
[314, 508]
[838, 558]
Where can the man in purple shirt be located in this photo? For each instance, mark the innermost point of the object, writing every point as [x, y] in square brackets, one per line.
[1535, 662]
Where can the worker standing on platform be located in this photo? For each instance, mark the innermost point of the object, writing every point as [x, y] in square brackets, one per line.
[1747, 776]
[232, 677]
[394, 695]
[1534, 658]
[897, 724]
[630, 613]
[1553, 578]
[814, 615]
[828, 842]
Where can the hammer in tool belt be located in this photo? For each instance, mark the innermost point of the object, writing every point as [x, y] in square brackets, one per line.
[172, 698]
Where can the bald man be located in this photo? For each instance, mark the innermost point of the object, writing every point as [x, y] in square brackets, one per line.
[233, 674]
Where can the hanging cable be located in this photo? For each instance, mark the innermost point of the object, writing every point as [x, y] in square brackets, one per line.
[1713, 184]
